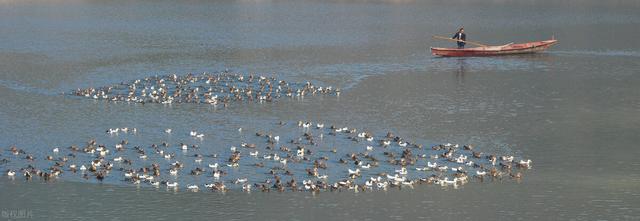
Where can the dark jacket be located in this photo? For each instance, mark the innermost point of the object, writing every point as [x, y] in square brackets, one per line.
[461, 37]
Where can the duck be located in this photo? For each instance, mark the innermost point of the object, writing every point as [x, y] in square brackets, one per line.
[128, 174]
[407, 183]
[524, 164]
[369, 139]
[300, 152]
[458, 169]
[382, 185]
[369, 148]
[446, 181]
[442, 168]
[173, 172]
[324, 177]
[241, 180]
[172, 184]
[168, 130]
[56, 150]
[11, 173]
[246, 187]
[306, 125]
[193, 187]
[402, 171]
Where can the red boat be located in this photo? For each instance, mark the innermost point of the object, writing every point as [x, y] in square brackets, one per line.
[529, 47]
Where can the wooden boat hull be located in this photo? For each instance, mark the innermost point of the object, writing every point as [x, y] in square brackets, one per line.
[523, 48]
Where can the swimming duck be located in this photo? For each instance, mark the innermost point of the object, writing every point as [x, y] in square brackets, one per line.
[402, 171]
[246, 187]
[241, 180]
[524, 164]
[325, 176]
[369, 139]
[192, 187]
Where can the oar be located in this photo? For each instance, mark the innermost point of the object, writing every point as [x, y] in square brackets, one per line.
[456, 40]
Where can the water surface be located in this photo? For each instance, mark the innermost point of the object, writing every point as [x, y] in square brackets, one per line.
[573, 110]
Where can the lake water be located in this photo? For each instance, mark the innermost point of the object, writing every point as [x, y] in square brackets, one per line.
[574, 110]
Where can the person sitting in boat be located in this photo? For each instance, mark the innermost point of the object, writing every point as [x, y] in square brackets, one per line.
[461, 37]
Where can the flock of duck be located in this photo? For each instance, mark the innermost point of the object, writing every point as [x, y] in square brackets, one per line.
[289, 156]
[206, 88]
[300, 156]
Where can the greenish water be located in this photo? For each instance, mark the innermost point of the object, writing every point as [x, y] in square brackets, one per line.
[574, 110]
